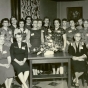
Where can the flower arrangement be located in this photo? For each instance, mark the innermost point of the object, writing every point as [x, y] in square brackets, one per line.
[48, 46]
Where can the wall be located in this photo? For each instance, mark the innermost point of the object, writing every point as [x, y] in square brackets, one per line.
[62, 12]
[5, 9]
[48, 8]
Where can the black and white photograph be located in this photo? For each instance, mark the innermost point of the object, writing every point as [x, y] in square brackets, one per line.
[43, 44]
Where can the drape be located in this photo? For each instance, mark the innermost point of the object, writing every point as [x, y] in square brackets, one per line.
[30, 8]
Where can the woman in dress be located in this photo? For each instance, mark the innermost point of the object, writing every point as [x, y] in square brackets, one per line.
[78, 51]
[13, 26]
[24, 31]
[6, 69]
[46, 26]
[19, 55]
[28, 20]
[70, 33]
[59, 38]
[80, 24]
[85, 32]
[36, 39]
[7, 32]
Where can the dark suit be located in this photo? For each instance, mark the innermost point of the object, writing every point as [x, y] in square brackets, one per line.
[19, 54]
[78, 66]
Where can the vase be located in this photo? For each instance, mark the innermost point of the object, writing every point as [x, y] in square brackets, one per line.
[49, 53]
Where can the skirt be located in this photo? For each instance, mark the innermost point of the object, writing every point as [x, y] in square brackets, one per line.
[6, 73]
[19, 68]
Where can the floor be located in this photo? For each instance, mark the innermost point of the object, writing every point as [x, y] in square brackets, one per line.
[51, 84]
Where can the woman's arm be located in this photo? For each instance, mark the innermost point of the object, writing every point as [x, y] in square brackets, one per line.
[28, 38]
[42, 37]
[64, 38]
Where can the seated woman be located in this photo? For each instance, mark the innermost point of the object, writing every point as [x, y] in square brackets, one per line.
[6, 69]
[78, 50]
[19, 55]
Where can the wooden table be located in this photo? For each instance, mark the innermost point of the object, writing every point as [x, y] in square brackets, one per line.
[57, 58]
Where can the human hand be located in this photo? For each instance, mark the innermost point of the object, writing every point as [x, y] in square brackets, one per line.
[21, 63]
[63, 49]
[6, 65]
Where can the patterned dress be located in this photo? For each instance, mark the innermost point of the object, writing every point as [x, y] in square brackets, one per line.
[5, 72]
[58, 38]
[85, 36]
[8, 36]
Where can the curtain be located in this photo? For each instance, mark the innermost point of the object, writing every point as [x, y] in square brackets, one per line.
[30, 8]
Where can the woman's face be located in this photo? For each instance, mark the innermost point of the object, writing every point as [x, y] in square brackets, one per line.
[85, 24]
[13, 21]
[2, 40]
[72, 23]
[77, 37]
[46, 21]
[5, 23]
[56, 23]
[19, 38]
[80, 22]
[64, 23]
[35, 24]
[28, 20]
[21, 24]
[39, 24]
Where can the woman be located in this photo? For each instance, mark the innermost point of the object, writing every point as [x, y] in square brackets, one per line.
[36, 39]
[64, 24]
[80, 24]
[6, 69]
[28, 20]
[7, 32]
[19, 55]
[24, 31]
[70, 33]
[47, 26]
[13, 26]
[78, 51]
[85, 32]
[59, 38]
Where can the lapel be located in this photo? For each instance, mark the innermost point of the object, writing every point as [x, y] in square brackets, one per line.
[80, 46]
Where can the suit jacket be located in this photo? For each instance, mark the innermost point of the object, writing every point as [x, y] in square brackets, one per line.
[19, 53]
[73, 50]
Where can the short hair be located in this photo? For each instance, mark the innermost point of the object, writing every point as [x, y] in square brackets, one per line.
[28, 17]
[57, 20]
[39, 20]
[18, 34]
[72, 20]
[85, 20]
[5, 19]
[81, 19]
[64, 19]
[46, 18]
[77, 32]
[11, 18]
[21, 20]
[34, 20]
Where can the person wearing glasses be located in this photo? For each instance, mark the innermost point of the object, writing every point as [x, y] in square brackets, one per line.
[6, 69]
[7, 32]
[79, 54]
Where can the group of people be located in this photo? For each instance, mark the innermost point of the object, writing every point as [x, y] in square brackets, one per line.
[26, 36]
